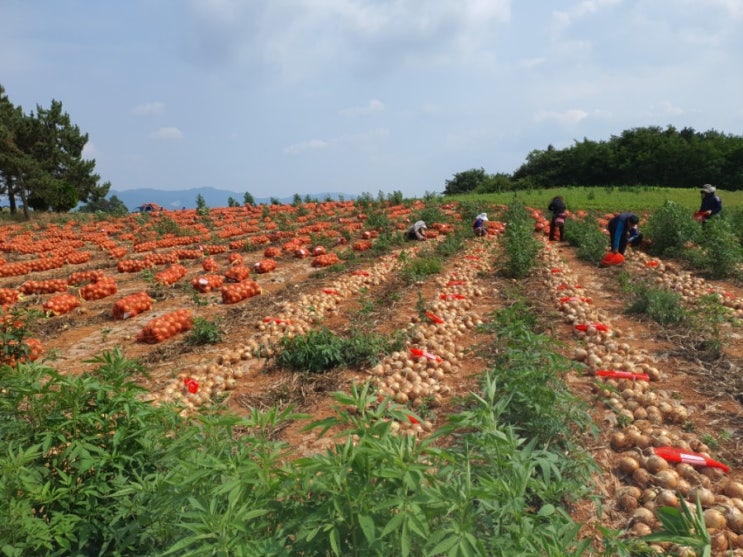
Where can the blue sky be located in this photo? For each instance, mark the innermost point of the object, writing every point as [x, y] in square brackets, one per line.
[278, 97]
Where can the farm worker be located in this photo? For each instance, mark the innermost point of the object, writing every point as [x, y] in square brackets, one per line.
[557, 223]
[622, 231]
[479, 227]
[417, 231]
[711, 202]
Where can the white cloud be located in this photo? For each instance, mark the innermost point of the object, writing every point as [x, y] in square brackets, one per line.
[167, 133]
[148, 109]
[564, 18]
[666, 108]
[371, 107]
[311, 145]
[355, 141]
[572, 116]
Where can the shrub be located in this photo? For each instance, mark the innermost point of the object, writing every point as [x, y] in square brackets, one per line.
[204, 332]
[722, 247]
[419, 268]
[661, 305]
[321, 350]
[669, 228]
[586, 235]
[521, 248]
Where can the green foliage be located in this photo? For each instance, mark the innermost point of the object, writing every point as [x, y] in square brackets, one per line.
[660, 304]
[466, 181]
[232, 202]
[14, 331]
[587, 236]
[528, 370]
[669, 228]
[722, 248]
[41, 164]
[521, 248]
[201, 207]
[205, 331]
[684, 527]
[321, 350]
[418, 268]
[113, 206]
[708, 318]
[640, 157]
[248, 198]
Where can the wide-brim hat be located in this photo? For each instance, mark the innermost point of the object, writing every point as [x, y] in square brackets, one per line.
[482, 216]
[708, 188]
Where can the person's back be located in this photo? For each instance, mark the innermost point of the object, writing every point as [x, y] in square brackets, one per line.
[479, 227]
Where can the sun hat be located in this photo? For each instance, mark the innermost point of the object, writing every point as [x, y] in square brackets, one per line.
[483, 216]
[708, 188]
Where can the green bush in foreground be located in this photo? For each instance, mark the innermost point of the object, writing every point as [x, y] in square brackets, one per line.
[587, 236]
[521, 248]
[90, 468]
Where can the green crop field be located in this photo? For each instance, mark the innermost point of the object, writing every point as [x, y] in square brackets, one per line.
[638, 199]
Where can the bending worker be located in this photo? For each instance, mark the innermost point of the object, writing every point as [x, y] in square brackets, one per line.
[417, 231]
[622, 231]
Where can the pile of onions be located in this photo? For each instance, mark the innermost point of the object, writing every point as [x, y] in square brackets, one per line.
[209, 265]
[61, 303]
[233, 293]
[8, 296]
[100, 289]
[43, 286]
[131, 305]
[265, 266]
[171, 275]
[163, 327]
[207, 283]
[272, 251]
[325, 260]
[132, 265]
[235, 258]
[78, 257]
[81, 277]
[361, 245]
[237, 273]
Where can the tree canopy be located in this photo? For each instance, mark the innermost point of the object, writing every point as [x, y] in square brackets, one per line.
[650, 156]
[41, 160]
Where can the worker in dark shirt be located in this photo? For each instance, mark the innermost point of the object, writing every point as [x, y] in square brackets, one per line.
[623, 230]
[711, 202]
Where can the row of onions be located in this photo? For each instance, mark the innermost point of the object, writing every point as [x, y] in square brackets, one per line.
[291, 318]
[649, 422]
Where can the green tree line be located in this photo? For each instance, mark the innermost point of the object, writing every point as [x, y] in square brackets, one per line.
[649, 156]
[41, 160]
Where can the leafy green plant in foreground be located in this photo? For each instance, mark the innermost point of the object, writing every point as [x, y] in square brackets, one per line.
[321, 350]
[521, 248]
[205, 331]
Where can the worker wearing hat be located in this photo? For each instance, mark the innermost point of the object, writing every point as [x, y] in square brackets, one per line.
[417, 231]
[479, 227]
[711, 202]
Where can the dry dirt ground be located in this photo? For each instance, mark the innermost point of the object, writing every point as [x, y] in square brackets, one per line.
[710, 389]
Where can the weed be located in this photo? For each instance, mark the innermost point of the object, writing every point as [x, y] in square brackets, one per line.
[722, 247]
[669, 228]
[661, 305]
[586, 235]
[521, 248]
[198, 299]
[321, 350]
[710, 440]
[204, 332]
[417, 269]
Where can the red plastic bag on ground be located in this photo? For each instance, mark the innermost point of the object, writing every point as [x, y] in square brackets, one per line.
[612, 259]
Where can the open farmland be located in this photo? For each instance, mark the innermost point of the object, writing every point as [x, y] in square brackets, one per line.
[266, 276]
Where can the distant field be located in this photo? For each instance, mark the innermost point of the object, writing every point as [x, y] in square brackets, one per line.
[610, 199]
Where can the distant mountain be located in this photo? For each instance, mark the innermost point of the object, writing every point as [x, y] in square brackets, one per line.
[187, 198]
